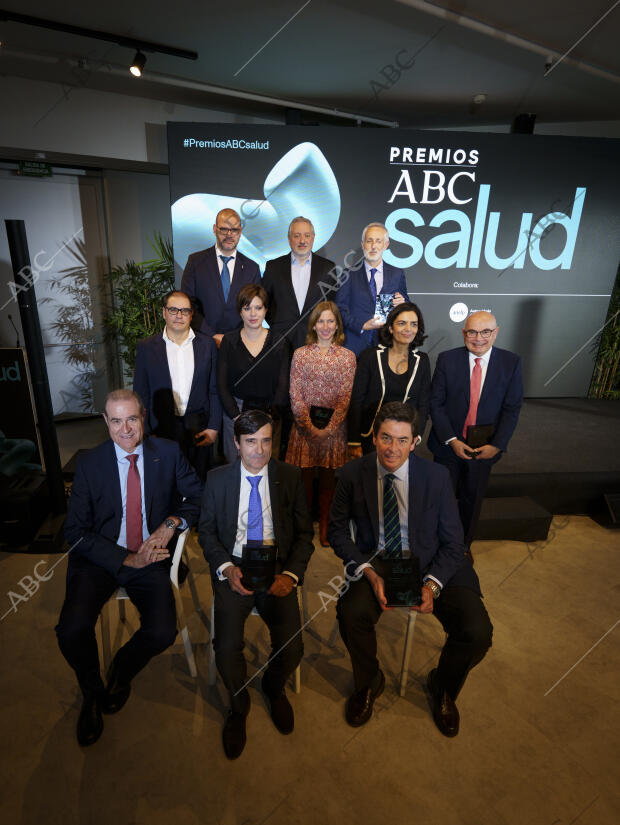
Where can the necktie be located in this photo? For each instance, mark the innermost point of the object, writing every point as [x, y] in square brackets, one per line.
[133, 507]
[255, 511]
[391, 520]
[474, 396]
[225, 274]
[373, 285]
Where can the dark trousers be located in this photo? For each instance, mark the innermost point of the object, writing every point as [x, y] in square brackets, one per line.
[182, 430]
[88, 588]
[460, 611]
[469, 481]
[281, 615]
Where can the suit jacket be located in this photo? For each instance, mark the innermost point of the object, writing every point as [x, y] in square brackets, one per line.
[368, 395]
[202, 281]
[435, 531]
[499, 404]
[356, 305]
[292, 524]
[151, 380]
[94, 515]
[283, 313]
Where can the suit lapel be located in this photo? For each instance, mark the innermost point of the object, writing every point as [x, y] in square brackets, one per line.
[274, 494]
[231, 491]
[217, 278]
[314, 280]
[198, 360]
[416, 499]
[369, 486]
[491, 378]
[162, 360]
[287, 282]
[463, 374]
[111, 471]
[151, 476]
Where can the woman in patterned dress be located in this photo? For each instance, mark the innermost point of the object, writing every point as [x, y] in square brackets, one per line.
[321, 377]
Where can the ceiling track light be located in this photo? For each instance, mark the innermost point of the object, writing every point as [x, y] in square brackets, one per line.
[137, 66]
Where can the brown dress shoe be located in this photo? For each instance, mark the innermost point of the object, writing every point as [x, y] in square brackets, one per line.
[359, 705]
[445, 712]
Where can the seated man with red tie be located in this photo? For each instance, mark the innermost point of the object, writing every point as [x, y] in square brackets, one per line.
[478, 384]
[256, 499]
[129, 496]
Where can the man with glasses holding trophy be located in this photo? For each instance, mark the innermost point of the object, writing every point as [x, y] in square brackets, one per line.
[214, 276]
[476, 398]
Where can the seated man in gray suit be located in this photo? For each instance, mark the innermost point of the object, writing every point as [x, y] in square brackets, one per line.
[255, 498]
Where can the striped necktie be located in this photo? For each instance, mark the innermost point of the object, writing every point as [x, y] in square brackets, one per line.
[391, 520]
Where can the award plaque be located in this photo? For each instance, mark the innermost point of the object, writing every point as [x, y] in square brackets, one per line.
[403, 583]
[479, 434]
[383, 305]
[320, 416]
[258, 565]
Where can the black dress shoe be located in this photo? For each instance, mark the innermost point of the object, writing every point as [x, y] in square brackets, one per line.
[445, 712]
[233, 734]
[90, 721]
[281, 713]
[359, 706]
[116, 692]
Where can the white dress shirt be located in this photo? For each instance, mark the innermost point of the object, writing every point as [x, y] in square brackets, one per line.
[300, 276]
[242, 515]
[181, 367]
[231, 263]
[378, 274]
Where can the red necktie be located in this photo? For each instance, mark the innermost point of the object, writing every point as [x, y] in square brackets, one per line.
[133, 509]
[474, 396]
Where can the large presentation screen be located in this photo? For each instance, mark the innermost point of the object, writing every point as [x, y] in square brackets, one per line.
[524, 226]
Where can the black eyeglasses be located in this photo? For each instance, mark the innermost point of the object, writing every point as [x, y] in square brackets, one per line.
[483, 333]
[174, 311]
[226, 230]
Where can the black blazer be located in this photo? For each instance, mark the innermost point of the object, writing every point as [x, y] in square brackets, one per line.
[202, 281]
[263, 380]
[291, 521]
[283, 313]
[435, 530]
[369, 388]
[151, 380]
[94, 515]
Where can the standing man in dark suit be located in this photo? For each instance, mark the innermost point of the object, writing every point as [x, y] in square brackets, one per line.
[255, 498]
[399, 505]
[292, 283]
[129, 496]
[214, 276]
[477, 384]
[357, 295]
[175, 377]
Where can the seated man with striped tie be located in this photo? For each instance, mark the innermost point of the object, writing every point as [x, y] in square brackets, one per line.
[401, 505]
[255, 499]
[129, 496]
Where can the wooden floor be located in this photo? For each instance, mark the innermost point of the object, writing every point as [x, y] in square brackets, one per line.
[539, 717]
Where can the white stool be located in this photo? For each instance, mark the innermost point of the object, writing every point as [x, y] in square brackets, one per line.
[120, 595]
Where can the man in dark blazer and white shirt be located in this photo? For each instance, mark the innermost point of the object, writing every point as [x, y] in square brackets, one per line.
[361, 285]
[175, 377]
[129, 496]
[496, 374]
[292, 283]
[214, 276]
[422, 520]
[255, 493]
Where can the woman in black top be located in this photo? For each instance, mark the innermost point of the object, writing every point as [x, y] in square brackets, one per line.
[252, 368]
[393, 371]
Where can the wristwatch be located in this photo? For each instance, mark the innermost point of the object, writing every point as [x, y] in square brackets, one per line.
[433, 586]
[171, 523]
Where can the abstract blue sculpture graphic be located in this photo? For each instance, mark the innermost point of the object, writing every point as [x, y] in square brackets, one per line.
[301, 183]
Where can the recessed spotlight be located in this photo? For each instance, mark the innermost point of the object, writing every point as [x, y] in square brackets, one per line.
[137, 67]
[479, 99]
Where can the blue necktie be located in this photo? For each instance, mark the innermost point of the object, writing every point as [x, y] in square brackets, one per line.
[226, 274]
[255, 511]
[391, 520]
[373, 286]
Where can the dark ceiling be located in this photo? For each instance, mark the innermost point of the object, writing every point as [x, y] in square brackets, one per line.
[400, 61]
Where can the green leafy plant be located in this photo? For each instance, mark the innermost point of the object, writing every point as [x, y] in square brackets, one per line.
[606, 378]
[138, 289]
